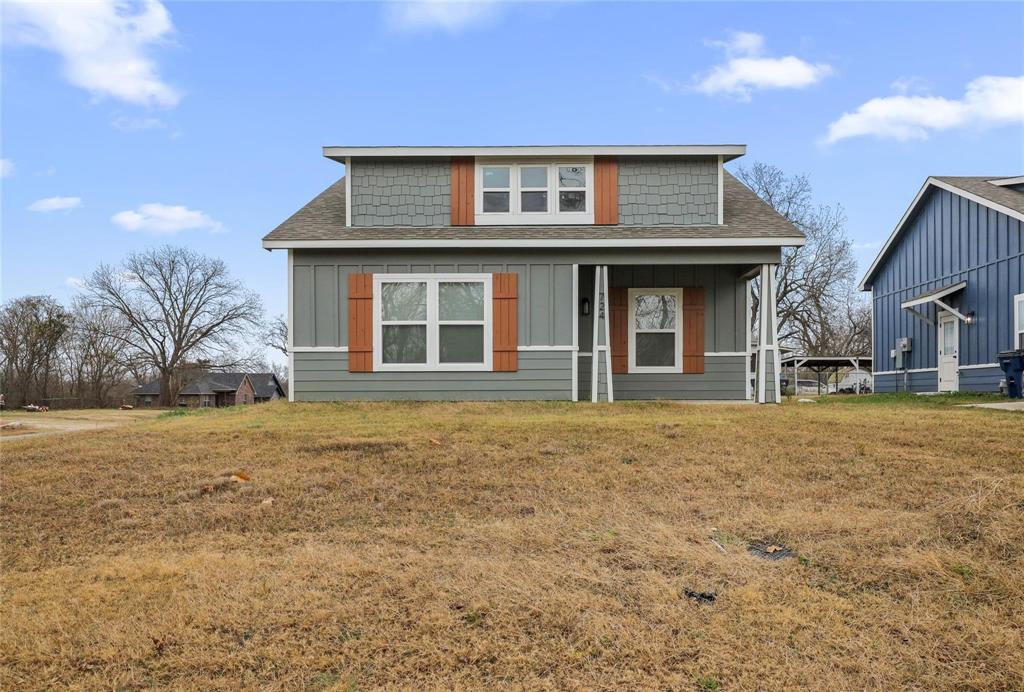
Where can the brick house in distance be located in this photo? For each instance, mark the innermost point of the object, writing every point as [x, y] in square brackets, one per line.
[216, 389]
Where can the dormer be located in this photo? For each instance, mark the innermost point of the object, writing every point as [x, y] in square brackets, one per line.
[633, 185]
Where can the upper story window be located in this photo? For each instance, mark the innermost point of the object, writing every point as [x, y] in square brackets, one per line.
[535, 192]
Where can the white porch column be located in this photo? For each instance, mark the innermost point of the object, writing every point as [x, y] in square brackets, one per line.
[601, 362]
[767, 388]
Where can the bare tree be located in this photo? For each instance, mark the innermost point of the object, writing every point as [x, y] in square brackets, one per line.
[277, 335]
[816, 292]
[96, 354]
[31, 331]
[177, 306]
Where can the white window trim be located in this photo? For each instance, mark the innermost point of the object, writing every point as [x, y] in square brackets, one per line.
[677, 351]
[1018, 328]
[433, 323]
[552, 216]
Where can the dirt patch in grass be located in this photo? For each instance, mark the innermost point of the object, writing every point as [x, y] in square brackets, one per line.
[522, 545]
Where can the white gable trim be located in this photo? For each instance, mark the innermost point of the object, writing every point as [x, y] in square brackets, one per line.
[728, 151]
[865, 282]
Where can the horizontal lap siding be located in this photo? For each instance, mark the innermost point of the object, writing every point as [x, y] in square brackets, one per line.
[324, 376]
[916, 381]
[723, 378]
[981, 379]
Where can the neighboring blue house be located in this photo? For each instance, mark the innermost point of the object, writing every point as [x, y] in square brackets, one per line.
[947, 289]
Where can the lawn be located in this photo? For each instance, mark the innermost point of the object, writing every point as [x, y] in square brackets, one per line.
[519, 545]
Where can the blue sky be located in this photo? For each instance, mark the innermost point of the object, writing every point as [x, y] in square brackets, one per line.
[126, 125]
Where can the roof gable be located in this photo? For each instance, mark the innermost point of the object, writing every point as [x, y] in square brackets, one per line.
[1002, 198]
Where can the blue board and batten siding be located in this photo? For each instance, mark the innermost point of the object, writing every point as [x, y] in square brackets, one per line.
[949, 239]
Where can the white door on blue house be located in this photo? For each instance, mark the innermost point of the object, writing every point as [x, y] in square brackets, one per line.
[949, 353]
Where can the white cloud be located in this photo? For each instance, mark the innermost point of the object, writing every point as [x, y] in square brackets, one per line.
[6, 168]
[103, 44]
[450, 15]
[987, 101]
[747, 69]
[870, 245]
[162, 219]
[127, 123]
[55, 204]
[74, 282]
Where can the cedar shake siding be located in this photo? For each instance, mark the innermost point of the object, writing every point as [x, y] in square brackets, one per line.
[410, 192]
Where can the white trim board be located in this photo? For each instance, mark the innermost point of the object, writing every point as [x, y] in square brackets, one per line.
[729, 151]
[1001, 182]
[981, 366]
[864, 283]
[621, 243]
[291, 329]
[899, 372]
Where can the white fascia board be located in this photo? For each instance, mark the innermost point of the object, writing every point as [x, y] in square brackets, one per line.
[865, 282]
[538, 243]
[727, 151]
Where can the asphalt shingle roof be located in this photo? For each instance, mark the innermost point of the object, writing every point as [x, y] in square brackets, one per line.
[323, 218]
[210, 383]
[982, 187]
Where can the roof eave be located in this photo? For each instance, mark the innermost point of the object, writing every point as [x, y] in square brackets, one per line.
[622, 243]
[728, 152]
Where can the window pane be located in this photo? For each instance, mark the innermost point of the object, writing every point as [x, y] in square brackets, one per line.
[533, 176]
[656, 312]
[572, 201]
[654, 350]
[461, 343]
[404, 343]
[534, 201]
[1020, 314]
[406, 300]
[496, 176]
[572, 176]
[461, 300]
[495, 201]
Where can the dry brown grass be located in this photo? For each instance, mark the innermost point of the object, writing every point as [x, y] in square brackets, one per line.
[518, 545]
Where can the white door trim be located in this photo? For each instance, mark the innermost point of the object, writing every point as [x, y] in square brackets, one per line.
[946, 317]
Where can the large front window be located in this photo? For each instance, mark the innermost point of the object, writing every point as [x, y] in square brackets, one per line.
[432, 321]
[535, 192]
[655, 330]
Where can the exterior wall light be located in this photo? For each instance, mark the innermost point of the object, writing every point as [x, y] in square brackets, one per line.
[969, 318]
[585, 307]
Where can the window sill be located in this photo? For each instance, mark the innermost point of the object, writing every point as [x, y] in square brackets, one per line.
[535, 219]
[638, 370]
[450, 367]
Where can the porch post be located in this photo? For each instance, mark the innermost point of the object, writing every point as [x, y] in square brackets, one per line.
[768, 384]
[601, 359]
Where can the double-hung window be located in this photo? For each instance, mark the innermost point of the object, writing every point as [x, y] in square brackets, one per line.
[432, 321]
[655, 330]
[535, 192]
[1018, 320]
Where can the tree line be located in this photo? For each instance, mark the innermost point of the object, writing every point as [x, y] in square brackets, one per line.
[156, 315]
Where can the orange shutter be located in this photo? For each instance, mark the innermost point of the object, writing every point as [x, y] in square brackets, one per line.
[606, 190]
[618, 312]
[693, 330]
[360, 322]
[463, 198]
[505, 344]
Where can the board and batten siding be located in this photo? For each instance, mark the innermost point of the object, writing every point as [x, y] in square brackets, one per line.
[949, 239]
[320, 291]
[724, 376]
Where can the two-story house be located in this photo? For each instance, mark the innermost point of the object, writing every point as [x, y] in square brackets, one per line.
[532, 272]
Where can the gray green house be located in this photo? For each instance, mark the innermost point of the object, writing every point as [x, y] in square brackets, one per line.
[579, 273]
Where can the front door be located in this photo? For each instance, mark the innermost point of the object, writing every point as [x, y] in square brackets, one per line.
[949, 353]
